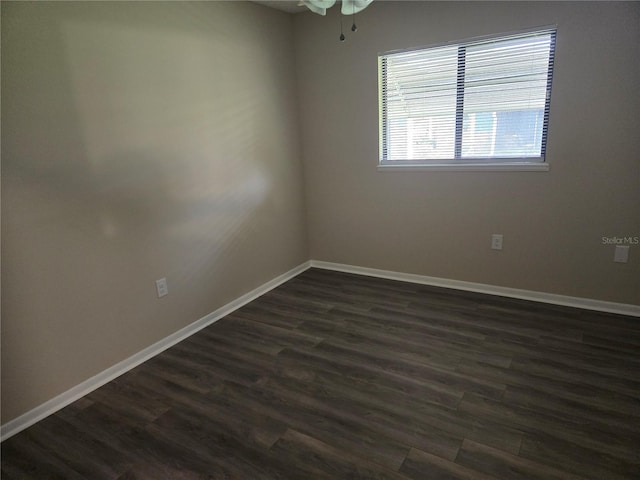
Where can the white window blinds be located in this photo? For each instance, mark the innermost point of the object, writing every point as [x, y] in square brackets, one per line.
[476, 101]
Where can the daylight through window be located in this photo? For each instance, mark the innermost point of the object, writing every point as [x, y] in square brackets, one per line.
[480, 101]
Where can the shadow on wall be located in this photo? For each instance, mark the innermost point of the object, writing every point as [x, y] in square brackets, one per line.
[132, 149]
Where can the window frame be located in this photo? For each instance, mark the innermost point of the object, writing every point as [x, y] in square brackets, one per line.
[537, 163]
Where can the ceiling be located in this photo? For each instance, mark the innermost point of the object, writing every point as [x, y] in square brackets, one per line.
[289, 6]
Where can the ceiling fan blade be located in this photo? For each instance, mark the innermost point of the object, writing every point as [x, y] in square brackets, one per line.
[319, 6]
[350, 7]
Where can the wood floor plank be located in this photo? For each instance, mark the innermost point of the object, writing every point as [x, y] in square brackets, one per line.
[590, 396]
[352, 436]
[421, 465]
[438, 348]
[395, 324]
[601, 419]
[320, 460]
[334, 375]
[592, 363]
[413, 410]
[555, 370]
[430, 393]
[417, 368]
[89, 456]
[553, 423]
[507, 466]
[237, 339]
[239, 453]
[210, 366]
[273, 334]
[569, 456]
[129, 402]
[334, 404]
[162, 454]
[29, 460]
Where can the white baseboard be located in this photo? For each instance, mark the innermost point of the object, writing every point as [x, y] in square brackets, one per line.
[51, 406]
[578, 302]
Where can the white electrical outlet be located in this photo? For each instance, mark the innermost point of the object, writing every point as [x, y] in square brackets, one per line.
[621, 254]
[162, 287]
[496, 241]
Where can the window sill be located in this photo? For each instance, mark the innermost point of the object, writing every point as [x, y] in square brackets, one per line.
[470, 167]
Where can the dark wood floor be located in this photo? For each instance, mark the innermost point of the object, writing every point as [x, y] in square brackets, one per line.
[334, 376]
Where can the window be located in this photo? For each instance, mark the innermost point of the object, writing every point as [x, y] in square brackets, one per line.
[476, 102]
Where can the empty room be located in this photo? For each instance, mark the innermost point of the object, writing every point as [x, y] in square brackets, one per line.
[320, 240]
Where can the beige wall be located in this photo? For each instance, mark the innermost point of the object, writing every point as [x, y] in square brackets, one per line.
[439, 223]
[142, 140]
[139, 140]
